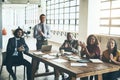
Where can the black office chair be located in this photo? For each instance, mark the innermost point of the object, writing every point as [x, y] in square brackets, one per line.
[3, 64]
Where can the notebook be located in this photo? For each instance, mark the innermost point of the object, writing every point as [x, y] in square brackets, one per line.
[46, 48]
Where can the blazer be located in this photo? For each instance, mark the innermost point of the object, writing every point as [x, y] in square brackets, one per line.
[73, 46]
[11, 48]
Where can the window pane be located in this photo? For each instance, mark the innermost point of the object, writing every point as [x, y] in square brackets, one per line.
[105, 13]
[72, 28]
[115, 13]
[105, 5]
[66, 10]
[116, 22]
[116, 4]
[72, 16]
[115, 30]
[66, 4]
[66, 16]
[66, 21]
[61, 5]
[78, 2]
[61, 27]
[72, 21]
[104, 22]
[66, 27]
[73, 3]
[72, 9]
[61, 21]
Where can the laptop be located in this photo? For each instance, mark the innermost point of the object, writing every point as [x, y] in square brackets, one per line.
[46, 48]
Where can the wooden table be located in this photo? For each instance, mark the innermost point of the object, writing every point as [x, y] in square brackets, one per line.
[74, 72]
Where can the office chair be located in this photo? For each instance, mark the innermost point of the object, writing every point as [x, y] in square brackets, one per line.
[3, 64]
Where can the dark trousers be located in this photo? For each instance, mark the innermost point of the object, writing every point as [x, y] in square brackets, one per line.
[40, 43]
[111, 75]
[38, 46]
[14, 62]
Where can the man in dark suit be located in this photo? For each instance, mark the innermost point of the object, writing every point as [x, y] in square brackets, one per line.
[15, 48]
[70, 44]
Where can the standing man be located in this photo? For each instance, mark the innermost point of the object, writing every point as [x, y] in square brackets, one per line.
[41, 33]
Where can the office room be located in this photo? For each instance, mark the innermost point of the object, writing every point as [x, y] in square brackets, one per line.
[62, 19]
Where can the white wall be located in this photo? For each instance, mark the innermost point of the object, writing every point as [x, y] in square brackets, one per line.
[93, 16]
[83, 20]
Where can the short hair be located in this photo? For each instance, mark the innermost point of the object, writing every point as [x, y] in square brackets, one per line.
[96, 40]
[42, 15]
[16, 31]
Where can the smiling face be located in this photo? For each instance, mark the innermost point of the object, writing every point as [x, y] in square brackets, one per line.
[111, 44]
[92, 40]
[19, 33]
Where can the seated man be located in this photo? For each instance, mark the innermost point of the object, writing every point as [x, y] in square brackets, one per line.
[70, 45]
[15, 48]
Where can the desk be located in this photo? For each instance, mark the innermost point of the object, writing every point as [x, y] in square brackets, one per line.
[74, 72]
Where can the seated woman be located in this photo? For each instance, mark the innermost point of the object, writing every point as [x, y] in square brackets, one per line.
[112, 55]
[92, 50]
[70, 44]
[15, 48]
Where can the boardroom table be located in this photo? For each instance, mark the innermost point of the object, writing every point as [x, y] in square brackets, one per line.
[74, 72]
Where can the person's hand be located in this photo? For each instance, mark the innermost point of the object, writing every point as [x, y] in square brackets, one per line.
[41, 33]
[82, 44]
[66, 45]
[21, 48]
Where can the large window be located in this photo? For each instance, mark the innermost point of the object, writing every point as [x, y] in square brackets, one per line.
[63, 15]
[31, 14]
[110, 17]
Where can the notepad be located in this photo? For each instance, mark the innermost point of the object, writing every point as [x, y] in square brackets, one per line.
[60, 60]
[38, 53]
[48, 56]
[78, 64]
[96, 61]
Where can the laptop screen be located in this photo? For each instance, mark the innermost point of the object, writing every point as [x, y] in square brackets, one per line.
[46, 48]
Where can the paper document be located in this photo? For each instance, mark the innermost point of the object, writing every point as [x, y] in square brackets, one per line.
[67, 53]
[78, 64]
[48, 56]
[38, 53]
[73, 58]
[54, 54]
[96, 61]
[60, 60]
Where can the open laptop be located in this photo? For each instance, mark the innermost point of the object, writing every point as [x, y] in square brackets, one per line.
[46, 48]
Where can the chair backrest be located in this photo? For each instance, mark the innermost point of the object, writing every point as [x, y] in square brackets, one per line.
[3, 57]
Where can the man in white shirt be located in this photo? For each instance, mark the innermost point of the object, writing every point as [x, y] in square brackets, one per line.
[41, 33]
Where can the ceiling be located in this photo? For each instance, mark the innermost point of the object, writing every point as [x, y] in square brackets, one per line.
[21, 1]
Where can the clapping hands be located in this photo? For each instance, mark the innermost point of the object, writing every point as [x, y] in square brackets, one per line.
[82, 44]
[21, 48]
